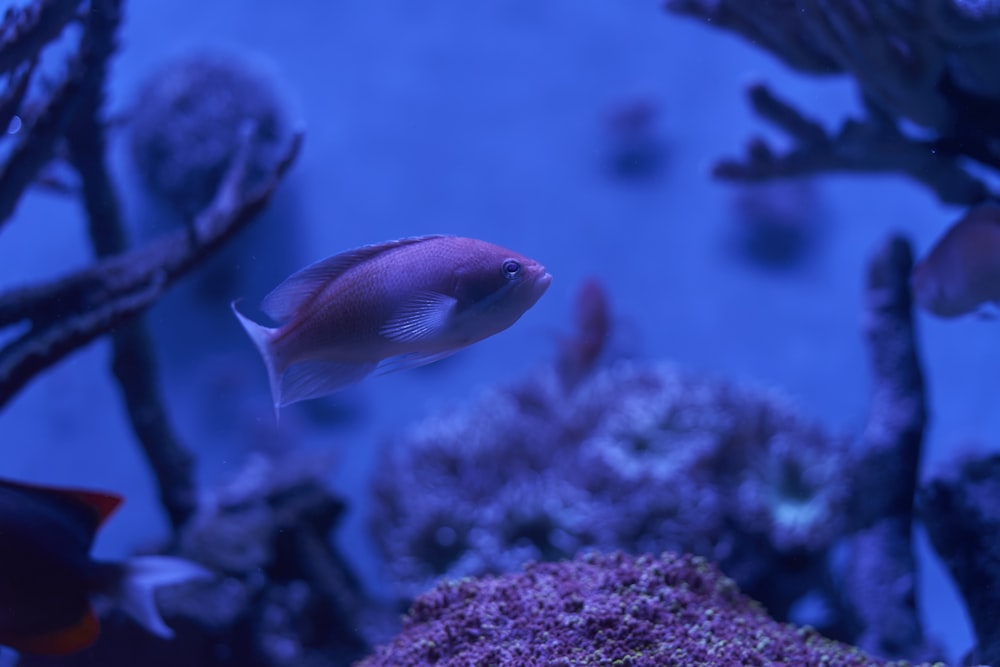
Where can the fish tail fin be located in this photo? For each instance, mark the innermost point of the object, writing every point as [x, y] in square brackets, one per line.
[261, 337]
[135, 592]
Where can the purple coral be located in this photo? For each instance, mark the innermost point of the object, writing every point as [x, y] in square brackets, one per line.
[608, 610]
[641, 457]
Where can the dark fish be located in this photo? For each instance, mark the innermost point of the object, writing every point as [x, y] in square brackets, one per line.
[389, 306]
[961, 273]
[47, 577]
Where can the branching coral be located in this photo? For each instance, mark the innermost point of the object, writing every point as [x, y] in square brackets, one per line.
[605, 610]
[925, 63]
[54, 318]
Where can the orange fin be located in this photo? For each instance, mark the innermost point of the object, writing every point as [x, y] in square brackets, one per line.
[58, 642]
[103, 504]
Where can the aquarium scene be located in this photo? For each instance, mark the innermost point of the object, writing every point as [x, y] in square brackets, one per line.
[381, 333]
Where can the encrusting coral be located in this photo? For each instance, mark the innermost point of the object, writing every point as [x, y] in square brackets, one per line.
[609, 609]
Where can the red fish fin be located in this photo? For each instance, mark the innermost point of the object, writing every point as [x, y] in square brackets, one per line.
[102, 503]
[59, 642]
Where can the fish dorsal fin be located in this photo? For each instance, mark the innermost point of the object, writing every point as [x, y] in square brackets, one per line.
[287, 299]
[103, 504]
[100, 503]
[420, 318]
[60, 642]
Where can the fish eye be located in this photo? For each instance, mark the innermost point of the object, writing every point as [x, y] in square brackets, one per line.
[511, 268]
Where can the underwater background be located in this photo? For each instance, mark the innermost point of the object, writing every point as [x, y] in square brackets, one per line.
[581, 134]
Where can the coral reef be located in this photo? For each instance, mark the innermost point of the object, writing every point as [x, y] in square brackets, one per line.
[645, 457]
[605, 610]
[961, 511]
[190, 121]
[641, 456]
[925, 72]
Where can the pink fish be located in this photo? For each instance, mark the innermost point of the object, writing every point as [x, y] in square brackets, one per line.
[961, 273]
[390, 306]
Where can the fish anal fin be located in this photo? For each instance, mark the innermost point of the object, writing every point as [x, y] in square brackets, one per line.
[290, 296]
[315, 378]
[420, 318]
[407, 361]
[58, 642]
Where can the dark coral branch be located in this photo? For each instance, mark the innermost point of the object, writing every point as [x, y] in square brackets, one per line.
[883, 578]
[769, 25]
[69, 312]
[25, 31]
[41, 137]
[931, 63]
[134, 365]
[871, 145]
[961, 511]
[10, 104]
[133, 360]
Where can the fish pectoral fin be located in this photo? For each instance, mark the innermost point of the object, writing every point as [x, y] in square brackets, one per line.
[420, 318]
[63, 641]
[413, 360]
[312, 379]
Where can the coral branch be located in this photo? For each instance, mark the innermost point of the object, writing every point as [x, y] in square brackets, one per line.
[931, 63]
[770, 25]
[72, 311]
[25, 31]
[871, 145]
[962, 513]
[133, 361]
[40, 139]
[10, 104]
[882, 571]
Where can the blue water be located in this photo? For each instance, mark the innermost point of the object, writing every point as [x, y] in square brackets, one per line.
[490, 119]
